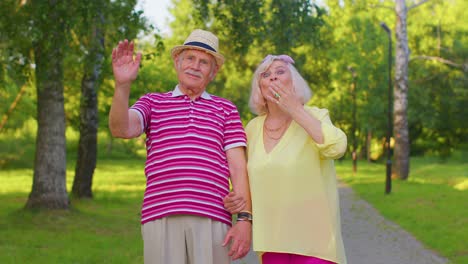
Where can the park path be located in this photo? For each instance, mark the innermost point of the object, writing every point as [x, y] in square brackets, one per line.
[371, 239]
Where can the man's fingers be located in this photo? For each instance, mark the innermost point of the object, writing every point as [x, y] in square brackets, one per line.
[233, 249]
[239, 208]
[233, 208]
[245, 250]
[239, 253]
[125, 46]
[236, 204]
[131, 47]
[229, 196]
[227, 238]
[118, 52]
[138, 58]
[232, 203]
[241, 205]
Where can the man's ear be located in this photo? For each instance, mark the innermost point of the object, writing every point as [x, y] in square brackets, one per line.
[176, 59]
[214, 72]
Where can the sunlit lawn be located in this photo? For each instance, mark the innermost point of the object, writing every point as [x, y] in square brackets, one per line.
[103, 230]
[432, 204]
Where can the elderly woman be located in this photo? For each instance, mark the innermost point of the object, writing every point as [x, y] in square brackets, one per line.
[291, 148]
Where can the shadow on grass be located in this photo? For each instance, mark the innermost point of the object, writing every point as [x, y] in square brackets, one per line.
[102, 230]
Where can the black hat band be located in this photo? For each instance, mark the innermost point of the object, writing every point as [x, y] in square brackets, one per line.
[200, 44]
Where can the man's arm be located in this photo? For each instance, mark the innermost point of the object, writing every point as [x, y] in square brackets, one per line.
[122, 122]
[240, 235]
[238, 169]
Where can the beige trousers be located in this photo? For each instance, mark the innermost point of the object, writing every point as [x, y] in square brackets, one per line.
[185, 239]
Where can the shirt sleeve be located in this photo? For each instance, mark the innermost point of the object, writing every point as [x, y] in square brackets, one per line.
[335, 141]
[234, 133]
[143, 107]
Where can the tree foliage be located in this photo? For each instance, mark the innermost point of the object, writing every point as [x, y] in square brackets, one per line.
[326, 39]
[49, 43]
[438, 77]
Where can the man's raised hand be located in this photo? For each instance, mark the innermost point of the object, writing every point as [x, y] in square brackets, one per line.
[124, 66]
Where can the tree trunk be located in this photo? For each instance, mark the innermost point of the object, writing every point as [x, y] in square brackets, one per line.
[87, 149]
[354, 125]
[49, 180]
[400, 104]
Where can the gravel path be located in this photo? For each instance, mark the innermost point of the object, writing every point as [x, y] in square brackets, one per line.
[371, 239]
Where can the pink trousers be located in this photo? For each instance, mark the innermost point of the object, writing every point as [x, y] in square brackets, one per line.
[285, 258]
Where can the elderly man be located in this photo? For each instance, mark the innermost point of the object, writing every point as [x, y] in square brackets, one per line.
[195, 143]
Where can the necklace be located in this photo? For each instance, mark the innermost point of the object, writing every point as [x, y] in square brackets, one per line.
[271, 131]
[272, 137]
[277, 128]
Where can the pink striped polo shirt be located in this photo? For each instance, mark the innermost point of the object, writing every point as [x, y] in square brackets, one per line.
[186, 141]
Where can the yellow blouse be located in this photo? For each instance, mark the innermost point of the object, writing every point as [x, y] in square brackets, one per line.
[294, 191]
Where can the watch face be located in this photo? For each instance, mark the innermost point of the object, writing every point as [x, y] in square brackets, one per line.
[244, 216]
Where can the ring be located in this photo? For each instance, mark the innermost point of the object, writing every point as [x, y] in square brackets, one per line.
[277, 96]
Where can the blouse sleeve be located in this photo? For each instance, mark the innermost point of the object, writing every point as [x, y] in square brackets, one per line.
[335, 141]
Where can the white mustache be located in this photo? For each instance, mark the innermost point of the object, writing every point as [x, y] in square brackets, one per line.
[198, 74]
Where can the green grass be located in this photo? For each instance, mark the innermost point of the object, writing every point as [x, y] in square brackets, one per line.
[103, 230]
[432, 204]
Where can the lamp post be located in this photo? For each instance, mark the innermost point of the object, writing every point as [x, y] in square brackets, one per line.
[388, 179]
[353, 94]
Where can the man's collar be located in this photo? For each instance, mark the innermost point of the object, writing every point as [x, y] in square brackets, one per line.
[178, 92]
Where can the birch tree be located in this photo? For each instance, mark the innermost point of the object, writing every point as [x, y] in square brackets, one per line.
[100, 24]
[401, 165]
[87, 148]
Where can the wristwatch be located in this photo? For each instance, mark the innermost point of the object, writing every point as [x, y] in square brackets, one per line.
[244, 216]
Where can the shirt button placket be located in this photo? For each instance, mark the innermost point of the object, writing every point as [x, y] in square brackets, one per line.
[191, 111]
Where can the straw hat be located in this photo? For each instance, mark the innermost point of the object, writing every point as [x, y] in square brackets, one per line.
[201, 40]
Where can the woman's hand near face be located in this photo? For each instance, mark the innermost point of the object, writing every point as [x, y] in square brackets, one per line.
[285, 97]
